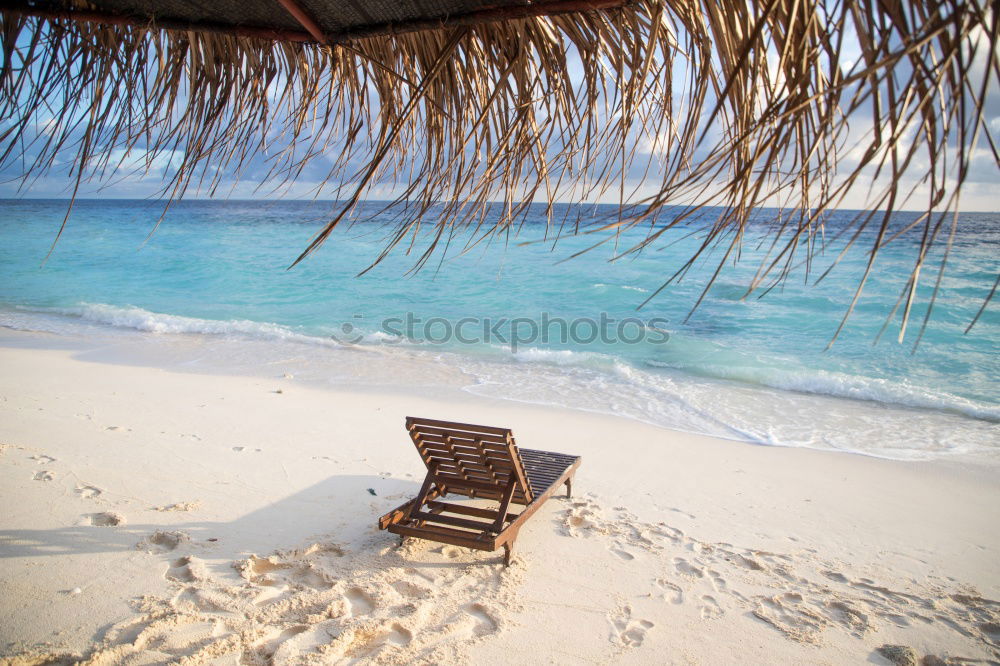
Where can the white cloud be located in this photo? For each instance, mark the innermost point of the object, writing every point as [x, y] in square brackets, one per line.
[141, 161]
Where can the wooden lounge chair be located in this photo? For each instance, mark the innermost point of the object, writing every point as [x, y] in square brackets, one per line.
[477, 462]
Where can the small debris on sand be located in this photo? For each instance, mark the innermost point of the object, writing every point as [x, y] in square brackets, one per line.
[900, 655]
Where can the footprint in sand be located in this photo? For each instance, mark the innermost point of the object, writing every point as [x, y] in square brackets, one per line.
[787, 614]
[281, 646]
[671, 533]
[701, 548]
[104, 519]
[581, 519]
[397, 635]
[853, 620]
[627, 631]
[484, 622]
[685, 568]
[747, 562]
[361, 603]
[835, 576]
[264, 565]
[364, 643]
[43, 459]
[719, 583]
[673, 591]
[410, 590]
[305, 575]
[162, 541]
[43, 475]
[711, 609]
[179, 571]
[473, 620]
[618, 550]
[259, 569]
[282, 576]
[87, 492]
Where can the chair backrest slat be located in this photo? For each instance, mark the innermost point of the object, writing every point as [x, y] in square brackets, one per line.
[471, 453]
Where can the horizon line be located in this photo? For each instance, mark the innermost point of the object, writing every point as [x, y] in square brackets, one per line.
[388, 201]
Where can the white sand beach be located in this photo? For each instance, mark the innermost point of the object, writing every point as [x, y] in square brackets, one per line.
[737, 259]
[166, 517]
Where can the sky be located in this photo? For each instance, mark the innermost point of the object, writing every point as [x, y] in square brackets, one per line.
[142, 176]
[981, 191]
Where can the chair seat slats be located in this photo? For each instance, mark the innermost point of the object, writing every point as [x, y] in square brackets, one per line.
[476, 525]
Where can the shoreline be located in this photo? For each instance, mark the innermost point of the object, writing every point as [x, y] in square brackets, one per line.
[241, 505]
[861, 426]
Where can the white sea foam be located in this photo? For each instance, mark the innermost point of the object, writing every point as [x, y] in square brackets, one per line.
[155, 322]
[602, 285]
[560, 357]
[382, 337]
[855, 387]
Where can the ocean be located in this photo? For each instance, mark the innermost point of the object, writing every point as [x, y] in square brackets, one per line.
[517, 317]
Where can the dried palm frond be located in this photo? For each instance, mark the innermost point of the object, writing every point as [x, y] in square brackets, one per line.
[736, 104]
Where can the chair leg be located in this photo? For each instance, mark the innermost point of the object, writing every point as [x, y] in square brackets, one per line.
[569, 488]
[508, 550]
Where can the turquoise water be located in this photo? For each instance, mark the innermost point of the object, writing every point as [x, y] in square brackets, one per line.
[213, 275]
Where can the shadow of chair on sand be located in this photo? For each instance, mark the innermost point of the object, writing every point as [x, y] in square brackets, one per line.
[309, 572]
[340, 507]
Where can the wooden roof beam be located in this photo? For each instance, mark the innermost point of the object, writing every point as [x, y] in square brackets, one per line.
[304, 19]
[108, 18]
[315, 33]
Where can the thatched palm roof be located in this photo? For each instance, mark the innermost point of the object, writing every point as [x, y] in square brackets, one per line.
[475, 109]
